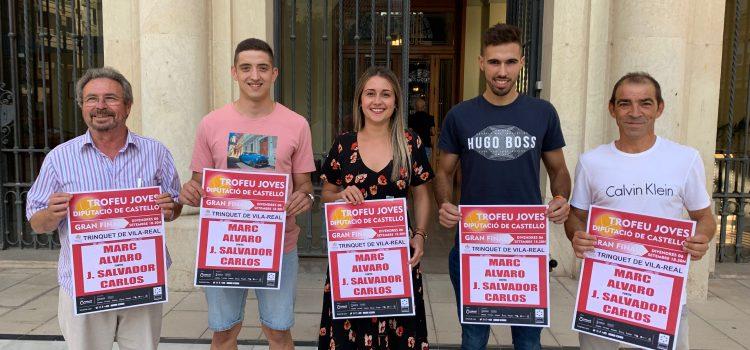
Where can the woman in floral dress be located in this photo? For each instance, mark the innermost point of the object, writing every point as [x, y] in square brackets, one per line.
[379, 160]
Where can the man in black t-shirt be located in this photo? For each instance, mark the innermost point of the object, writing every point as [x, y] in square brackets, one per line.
[500, 137]
[423, 124]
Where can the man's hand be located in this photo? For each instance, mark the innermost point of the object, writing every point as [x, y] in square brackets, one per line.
[48, 219]
[558, 210]
[352, 194]
[167, 205]
[448, 215]
[705, 227]
[57, 206]
[696, 246]
[416, 242]
[582, 243]
[191, 193]
[298, 203]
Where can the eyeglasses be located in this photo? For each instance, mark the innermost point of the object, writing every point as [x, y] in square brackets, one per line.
[108, 100]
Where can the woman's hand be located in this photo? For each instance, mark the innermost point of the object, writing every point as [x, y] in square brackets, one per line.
[353, 195]
[416, 242]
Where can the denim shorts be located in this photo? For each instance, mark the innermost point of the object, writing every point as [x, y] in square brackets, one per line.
[226, 306]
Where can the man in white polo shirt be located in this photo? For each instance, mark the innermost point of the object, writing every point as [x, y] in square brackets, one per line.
[644, 173]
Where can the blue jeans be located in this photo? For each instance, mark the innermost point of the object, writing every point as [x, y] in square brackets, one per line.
[226, 306]
[475, 336]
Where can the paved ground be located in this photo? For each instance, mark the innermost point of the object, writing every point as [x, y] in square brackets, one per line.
[28, 306]
[59, 345]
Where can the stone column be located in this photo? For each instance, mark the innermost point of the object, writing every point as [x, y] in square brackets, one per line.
[231, 22]
[644, 39]
[251, 19]
[680, 50]
[121, 36]
[703, 81]
[162, 48]
[565, 57]
[178, 55]
[176, 90]
[472, 46]
[222, 52]
[174, 73]
[588, 45]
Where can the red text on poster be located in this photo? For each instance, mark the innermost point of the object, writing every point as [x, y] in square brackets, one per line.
[504, 258]
[241, 233]
[632, 284]
[117, 249]
[368, 254]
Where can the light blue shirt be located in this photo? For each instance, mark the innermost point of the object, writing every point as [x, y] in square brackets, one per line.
[78, 166]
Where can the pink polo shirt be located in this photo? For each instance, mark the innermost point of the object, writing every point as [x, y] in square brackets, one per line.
[279, 142]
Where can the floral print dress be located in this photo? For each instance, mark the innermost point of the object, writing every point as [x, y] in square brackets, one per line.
[344, 168]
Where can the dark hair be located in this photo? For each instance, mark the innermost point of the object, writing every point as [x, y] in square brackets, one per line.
[108, 73]
[502, 33]
[637, 78]
[253, 44]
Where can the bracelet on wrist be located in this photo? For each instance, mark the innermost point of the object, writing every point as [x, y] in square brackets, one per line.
[420, 232]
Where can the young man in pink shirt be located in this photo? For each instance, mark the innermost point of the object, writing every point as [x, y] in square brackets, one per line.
[255, 133]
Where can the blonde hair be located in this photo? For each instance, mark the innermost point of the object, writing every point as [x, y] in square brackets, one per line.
[401, 156]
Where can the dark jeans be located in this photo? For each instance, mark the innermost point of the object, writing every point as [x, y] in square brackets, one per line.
[475, 336]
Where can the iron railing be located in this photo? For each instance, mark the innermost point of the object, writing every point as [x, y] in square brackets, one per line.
[318, 74]
[45, 46]
[527, 15]
[732, 161]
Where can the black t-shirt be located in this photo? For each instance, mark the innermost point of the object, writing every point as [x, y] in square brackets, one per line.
[344, 167]
[421, 122]
[500, 148]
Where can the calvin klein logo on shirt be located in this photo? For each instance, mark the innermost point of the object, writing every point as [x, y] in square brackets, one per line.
[648, 189]
[501, 142]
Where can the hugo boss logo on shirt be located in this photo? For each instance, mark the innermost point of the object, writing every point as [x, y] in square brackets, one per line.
[501, 142]
[646, 189]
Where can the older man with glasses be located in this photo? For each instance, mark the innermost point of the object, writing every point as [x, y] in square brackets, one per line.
[108, 156]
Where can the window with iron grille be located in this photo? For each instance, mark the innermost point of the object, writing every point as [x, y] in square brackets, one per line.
[46, 45]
